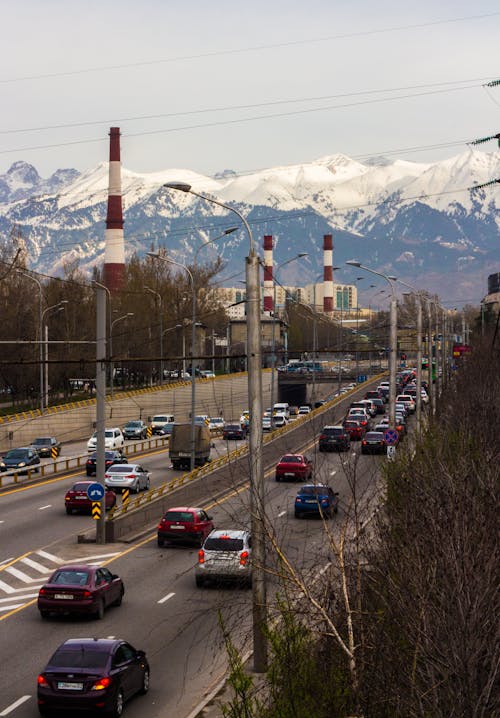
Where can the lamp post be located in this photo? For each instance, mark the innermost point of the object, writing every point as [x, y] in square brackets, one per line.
[393, 338]
[300, 255]
[160, 307]
[259, 603]
[103, 287]
[112, 364]
[418, 296]
[59, 307]
[40, 330]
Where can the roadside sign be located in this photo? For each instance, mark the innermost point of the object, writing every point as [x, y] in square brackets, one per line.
[391, 437]
[391, 453]
[95, 491]
[125, 496]
[96, 510]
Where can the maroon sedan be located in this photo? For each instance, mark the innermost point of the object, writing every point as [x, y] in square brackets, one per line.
[184, 524]
[354, 429]
[80, 589]
[76, 498]
[296, 467]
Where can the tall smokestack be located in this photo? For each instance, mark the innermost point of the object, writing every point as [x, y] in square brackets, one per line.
[114, 251]
[328, 273]
[268, 274]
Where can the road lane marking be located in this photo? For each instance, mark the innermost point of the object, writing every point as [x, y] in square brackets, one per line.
[49, 556]
[281, 514]
[165, 598]
[332, 473]
[14, 705]
[6, 560]
[18, 598]
[6, 588]
[35, 566]
[20, 575]
[42, 508]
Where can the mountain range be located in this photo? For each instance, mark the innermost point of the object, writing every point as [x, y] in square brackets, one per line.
[419, 221]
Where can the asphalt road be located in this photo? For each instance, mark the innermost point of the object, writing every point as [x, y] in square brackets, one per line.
[163, 612]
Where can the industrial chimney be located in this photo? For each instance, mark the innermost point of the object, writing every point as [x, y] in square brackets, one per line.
[268, 274]
[114, 251]
[328, 273]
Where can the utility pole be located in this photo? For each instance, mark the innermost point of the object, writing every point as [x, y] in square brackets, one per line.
[100, 388]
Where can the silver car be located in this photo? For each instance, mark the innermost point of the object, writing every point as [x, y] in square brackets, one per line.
[225, 554]
[127, 476]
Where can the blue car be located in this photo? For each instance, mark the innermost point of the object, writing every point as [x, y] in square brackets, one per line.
[316, 500]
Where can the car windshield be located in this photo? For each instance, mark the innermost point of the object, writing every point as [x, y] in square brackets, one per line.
[313, 490]
[133, 424]
[79, 658]
[291, 459]
[232, 427]
[71, 577]
[333, 432]
[223, 544]
[160, 418]
[178, 516]
[80, 487]
[118, 469]
[42, 442]
[374, 435]
[16, 454]
[109, 434]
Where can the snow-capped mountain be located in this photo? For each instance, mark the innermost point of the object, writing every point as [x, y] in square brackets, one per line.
[420, 221]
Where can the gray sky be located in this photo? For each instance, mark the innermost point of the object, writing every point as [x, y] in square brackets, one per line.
[244, 60]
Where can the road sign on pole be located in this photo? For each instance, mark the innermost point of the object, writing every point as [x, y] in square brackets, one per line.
[391, 453]
[391, 437]
[96, 510]
[95, 491]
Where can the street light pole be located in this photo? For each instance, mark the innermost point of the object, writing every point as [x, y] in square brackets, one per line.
[393, 338]
[160, 307]
[112, 363]
[40, 330]
[254, 352]
[59, 307]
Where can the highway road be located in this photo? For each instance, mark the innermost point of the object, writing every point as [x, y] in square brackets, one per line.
[163, 612]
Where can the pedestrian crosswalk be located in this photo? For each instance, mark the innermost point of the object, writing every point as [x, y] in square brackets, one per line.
[20, 579]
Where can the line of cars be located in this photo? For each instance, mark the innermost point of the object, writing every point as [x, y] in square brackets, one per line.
[27, 458]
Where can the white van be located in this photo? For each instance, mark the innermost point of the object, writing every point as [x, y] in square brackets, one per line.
[282, 408]
[159, 420]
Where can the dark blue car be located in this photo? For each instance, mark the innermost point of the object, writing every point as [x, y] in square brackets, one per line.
[316, 500]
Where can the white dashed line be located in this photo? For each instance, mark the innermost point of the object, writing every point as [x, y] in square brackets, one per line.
[332, 473]
[49, 556]
[42, 508]
[281, 514]
[165, 598]
[19, 598]
[14, 705]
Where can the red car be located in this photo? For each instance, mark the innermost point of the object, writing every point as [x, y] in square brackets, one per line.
[76, 498]
[298, 467]
[79, 588]
[355, 429]
[184, 524]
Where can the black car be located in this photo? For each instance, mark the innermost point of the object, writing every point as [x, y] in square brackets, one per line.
[92, 674]
[334, 438]
[110, 458]
[234, 431]
[136, 429]
[47, 446]
[373, 443]
[22, 460]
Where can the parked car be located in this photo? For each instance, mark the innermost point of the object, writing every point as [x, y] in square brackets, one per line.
[110, 458]
[334, 438]
[294, 466]
[136, 429]
[97, 675]
[234, 431]
[113, 439]
[127, 476]
[21, 460]
[46, 446]
[160, 421]
[316, 499]
[373, 443]
[76, 498]
[225, 555]
[184, 524]
[79, 588]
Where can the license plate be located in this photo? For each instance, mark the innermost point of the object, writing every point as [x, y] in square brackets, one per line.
[63, 596]
[183, 453]
[177, 528]
[290, 474]
[311, 501]
[81, 498]
[70, 686]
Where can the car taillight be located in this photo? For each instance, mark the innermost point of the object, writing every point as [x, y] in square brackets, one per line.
[364, 442]
[42, 592]
[244, 558]
[201, 556]
[42, 681]
[87, 594]
[323, 436]
[101, 684]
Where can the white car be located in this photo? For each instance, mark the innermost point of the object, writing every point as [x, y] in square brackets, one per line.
[279, 420]
[216, 423]
[113, 440]
[127, 476]
[267, 423]
[304, 410]
[424, 396]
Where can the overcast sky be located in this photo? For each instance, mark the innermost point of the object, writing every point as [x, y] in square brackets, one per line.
[240, 85]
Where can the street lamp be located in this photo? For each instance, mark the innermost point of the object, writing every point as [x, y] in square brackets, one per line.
[115, 321]
[300, 255]
[40, 329]
[160, 307]
[59, 307]
[259, 603]
[393, 338]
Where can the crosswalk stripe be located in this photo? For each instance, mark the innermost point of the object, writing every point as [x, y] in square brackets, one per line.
[11, 606]
[6, 588]
[20, 574]
[49, 556]
[35, 565]
[19, 598]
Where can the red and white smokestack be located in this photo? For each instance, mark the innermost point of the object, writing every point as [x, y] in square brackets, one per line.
[114, 250]
[268, 274]
[327, 273]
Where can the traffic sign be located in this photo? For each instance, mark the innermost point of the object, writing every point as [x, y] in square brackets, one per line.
[391, 453]
[95, 491]
[125, 496]
[96, 510]
[391, 437]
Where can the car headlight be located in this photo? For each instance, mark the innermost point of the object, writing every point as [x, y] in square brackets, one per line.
[22, 463]
[2, 464]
